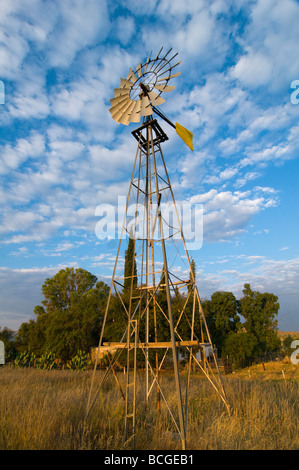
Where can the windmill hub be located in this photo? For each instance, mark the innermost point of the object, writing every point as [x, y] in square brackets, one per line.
[145, 89]
[146, 83]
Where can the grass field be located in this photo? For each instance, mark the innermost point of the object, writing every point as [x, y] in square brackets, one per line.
[45, 410]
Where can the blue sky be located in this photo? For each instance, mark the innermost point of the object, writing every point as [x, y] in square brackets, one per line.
[62, 154]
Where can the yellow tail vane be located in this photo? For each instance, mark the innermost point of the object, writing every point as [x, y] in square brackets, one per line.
[185, 135]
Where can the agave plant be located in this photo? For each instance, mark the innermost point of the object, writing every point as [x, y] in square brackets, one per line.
[25, 359]
[47, 361]
[79, 362]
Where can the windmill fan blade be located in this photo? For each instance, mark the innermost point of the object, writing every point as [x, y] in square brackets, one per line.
[138, 70]
[145, 65]
[121, 92]
[135, 114]
[131, 76]
[169, 77]
[164, 88]
[146, 108]
[119, 114]
[118, 100]
[155, 99]
[125, 118]
[169, 68]
[159, 70]
[125, 83]
[116, 110]
[116, 107]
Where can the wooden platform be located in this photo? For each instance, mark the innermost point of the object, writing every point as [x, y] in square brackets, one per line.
[154, 345]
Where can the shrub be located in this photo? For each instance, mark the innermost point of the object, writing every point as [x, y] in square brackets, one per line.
[25, 359]
[79, 362]
[240, 347]
[48, 361]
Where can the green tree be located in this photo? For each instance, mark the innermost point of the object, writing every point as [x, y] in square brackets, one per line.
[222, 317]
[70, 318]
[24, 334]
[117, 318]
[193, 270]
[77, 327]
[65, 288]
[130, 270]
[162, 313]
[239, 347]
[259, 311]
[31, 335]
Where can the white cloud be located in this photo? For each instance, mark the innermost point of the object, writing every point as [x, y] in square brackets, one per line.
[277, 276]
[124, 27]
[227, 214]
[253, 69]
[13, 50]
[263, 274]
[29, 107]
[177, 8]
[269, 41]
[66, 150]
[15, 221]
[79, 25]
[13, 157]
[272, 153]
[196, 34]
[86, 98]
[22, 22]
[249, 176]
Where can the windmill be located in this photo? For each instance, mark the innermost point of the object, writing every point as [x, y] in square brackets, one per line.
[153, 329]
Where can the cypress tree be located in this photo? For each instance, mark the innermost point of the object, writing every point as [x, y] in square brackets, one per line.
[130, 270]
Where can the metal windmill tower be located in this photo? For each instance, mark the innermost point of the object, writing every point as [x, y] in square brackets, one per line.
[153, 329]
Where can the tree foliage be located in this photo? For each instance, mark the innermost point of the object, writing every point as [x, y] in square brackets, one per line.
[240, 347]
[130, 271]
[66, 288]
[259, 311]
[222, 316]
[70, 318]
[71, 315]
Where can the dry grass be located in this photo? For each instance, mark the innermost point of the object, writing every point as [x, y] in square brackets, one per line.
[276, 370]
[283, 334]
[45, 410]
